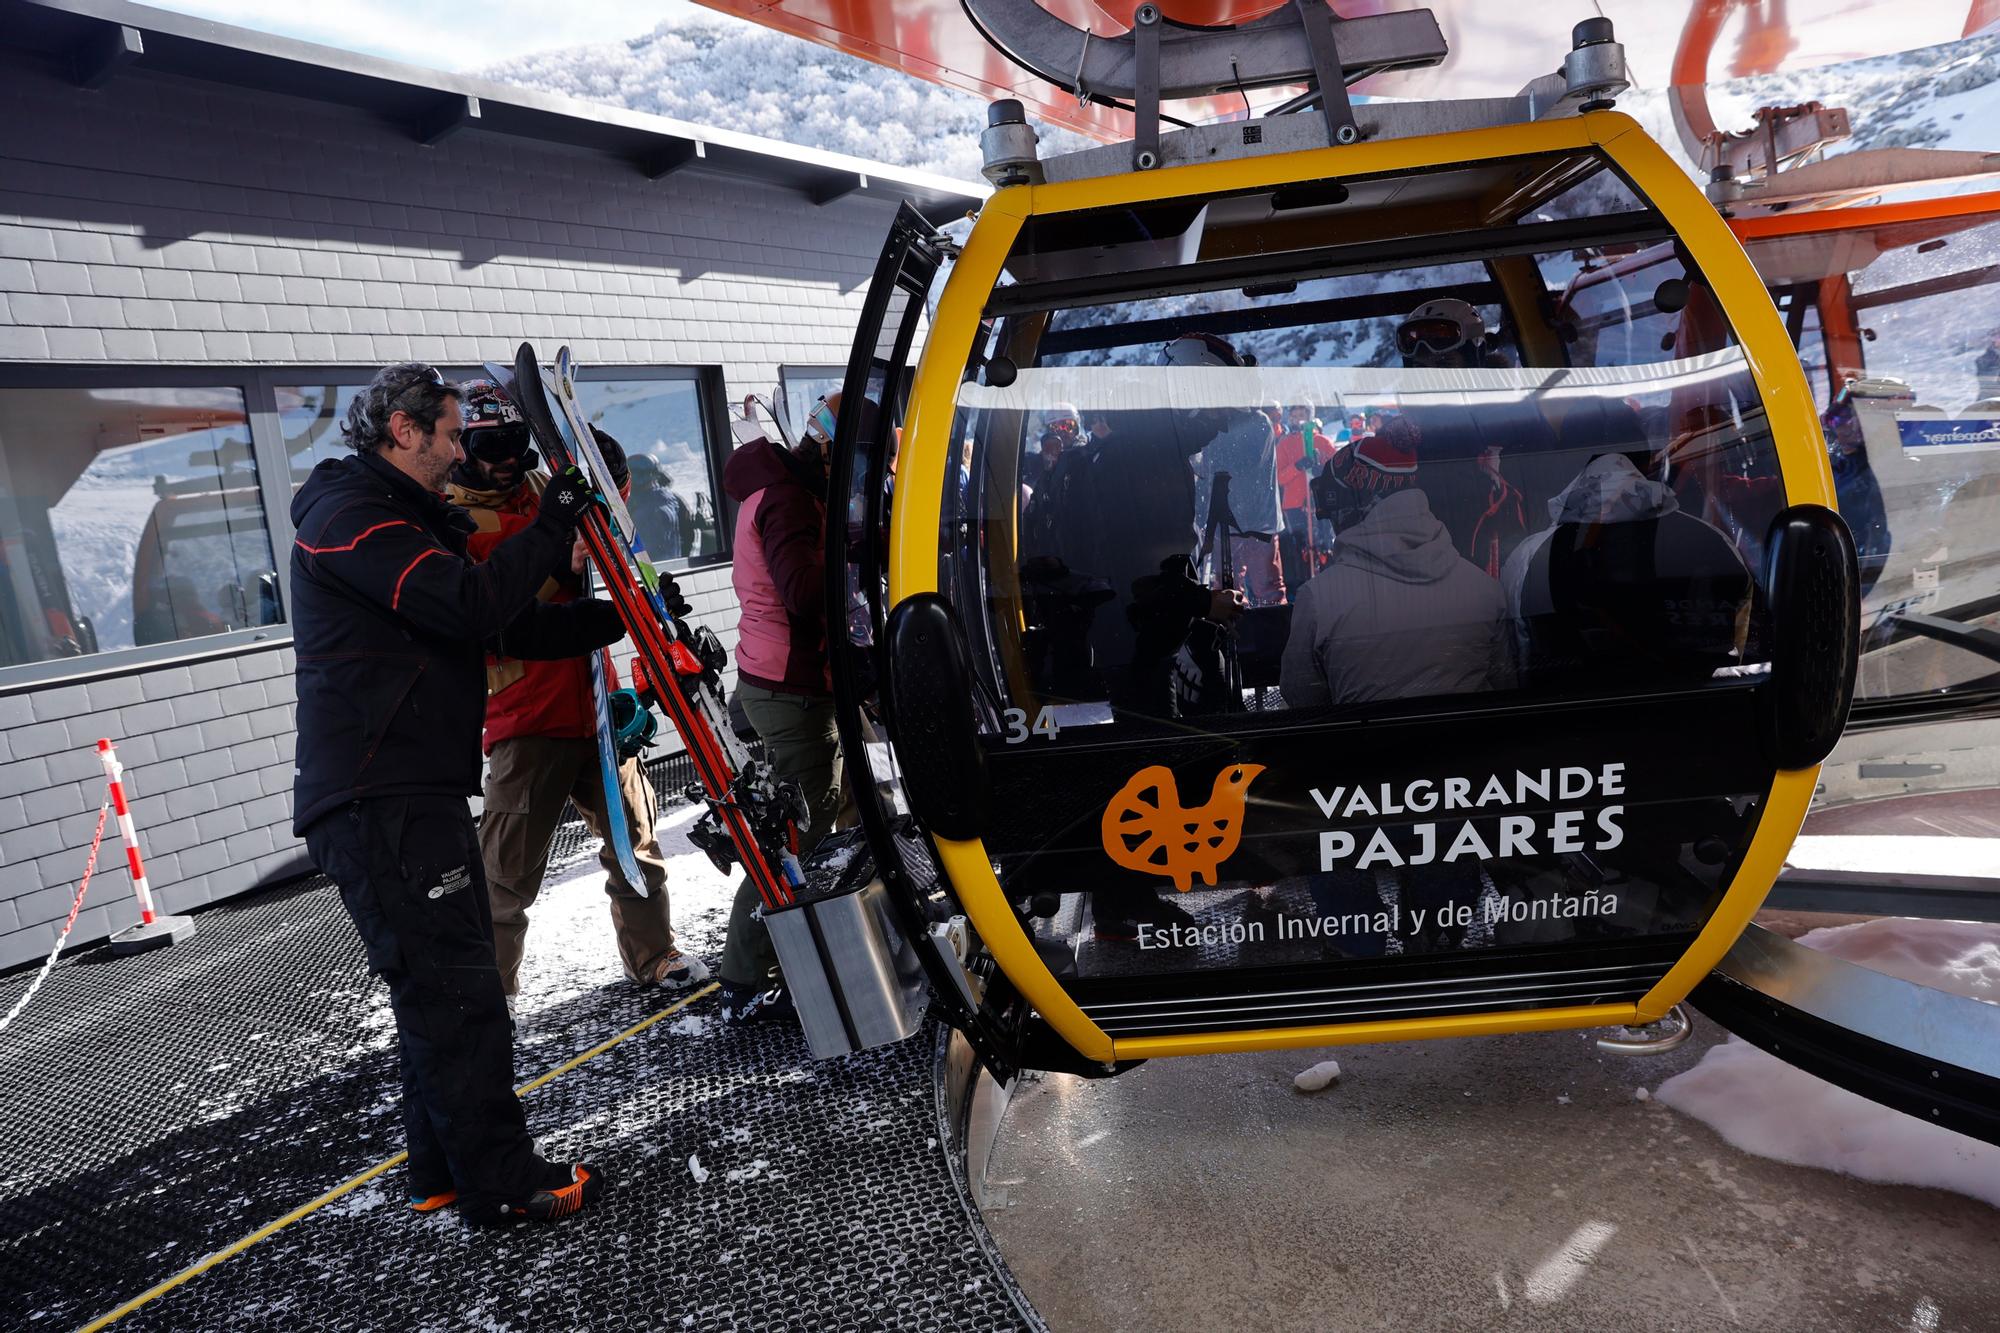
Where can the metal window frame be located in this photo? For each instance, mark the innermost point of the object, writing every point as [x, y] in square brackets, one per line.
[806, 371]
[258, 384]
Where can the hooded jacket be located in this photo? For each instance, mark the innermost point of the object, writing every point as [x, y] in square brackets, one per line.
[390, 623]
[1608, 490]
[1398, 614]
[1604, 591]
[780, 569]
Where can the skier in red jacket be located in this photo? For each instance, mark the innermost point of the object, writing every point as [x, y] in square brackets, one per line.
[541, 729]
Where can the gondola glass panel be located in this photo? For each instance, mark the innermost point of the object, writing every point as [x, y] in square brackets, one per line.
[1363, 654]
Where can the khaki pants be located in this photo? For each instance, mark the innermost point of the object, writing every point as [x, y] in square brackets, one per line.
[527, 780]
[801, 743]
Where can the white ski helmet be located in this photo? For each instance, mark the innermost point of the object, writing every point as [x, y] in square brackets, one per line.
[1439, 328]
[1199, 349]
[1063, 418]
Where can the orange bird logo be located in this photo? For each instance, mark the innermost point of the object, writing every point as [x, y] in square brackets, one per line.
[1145, 828]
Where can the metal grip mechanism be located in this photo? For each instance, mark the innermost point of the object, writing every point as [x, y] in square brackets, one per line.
[1158, 60]
[1329, 76]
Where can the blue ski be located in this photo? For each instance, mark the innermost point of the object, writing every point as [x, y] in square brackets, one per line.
[618, 831]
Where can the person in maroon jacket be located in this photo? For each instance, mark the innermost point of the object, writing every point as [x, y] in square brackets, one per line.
[781, 668]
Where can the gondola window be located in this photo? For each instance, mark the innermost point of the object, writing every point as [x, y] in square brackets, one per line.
[1237, 480]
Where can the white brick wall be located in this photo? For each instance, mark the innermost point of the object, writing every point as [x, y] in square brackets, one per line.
[158, 221]
[208, 752]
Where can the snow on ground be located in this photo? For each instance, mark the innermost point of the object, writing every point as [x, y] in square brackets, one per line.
[1317, 1077]
[571, 950]
[1760, 1104]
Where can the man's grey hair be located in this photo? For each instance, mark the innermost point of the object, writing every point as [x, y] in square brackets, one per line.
[410, 387]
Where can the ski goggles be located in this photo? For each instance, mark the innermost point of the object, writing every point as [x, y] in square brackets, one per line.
[819, 425]
[1062, 426]
[1433, 337]
[498, 444]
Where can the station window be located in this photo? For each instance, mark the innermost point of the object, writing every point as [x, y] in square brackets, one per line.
[663, 423]
[128, 517]
[804, 386]
[309, 417]
[149, 519]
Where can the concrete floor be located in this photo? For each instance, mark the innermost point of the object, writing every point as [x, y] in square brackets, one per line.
[1496, 1183]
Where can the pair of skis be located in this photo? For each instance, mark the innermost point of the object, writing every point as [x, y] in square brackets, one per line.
[753, 817]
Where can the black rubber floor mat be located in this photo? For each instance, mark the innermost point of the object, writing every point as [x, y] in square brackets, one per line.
[158, 1108]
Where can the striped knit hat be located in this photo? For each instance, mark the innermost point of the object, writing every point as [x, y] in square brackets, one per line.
[1379, 464]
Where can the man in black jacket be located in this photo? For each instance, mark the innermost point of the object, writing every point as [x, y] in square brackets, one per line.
[390, 623]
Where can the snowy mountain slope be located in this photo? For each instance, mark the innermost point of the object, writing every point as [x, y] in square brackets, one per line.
[717, 71]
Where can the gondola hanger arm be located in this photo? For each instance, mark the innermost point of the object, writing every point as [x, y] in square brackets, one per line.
[1196, 62]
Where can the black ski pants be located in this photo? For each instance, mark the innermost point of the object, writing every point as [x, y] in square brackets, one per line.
[409, 873]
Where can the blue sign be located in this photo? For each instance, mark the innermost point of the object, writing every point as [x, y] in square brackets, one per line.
[1978, 433]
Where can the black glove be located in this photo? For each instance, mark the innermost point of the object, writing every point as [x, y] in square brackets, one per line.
[567, 498]
[670, 593]
[614, 459]
[598, 621]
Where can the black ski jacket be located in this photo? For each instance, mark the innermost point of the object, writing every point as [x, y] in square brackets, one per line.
[391, 624]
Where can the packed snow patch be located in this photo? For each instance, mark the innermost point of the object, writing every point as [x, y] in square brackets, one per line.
[1317, 1077]
[697, 1170]
[570, 947]
[359, 1202]
[1762, 1105]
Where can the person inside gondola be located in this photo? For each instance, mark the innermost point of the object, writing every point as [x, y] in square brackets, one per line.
[1124, 511]
[1398, 612]
[1624, 585]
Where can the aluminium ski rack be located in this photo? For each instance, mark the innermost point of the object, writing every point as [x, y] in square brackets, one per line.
[753, 816]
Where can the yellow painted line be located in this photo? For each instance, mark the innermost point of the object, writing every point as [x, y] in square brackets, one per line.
[272, 1228]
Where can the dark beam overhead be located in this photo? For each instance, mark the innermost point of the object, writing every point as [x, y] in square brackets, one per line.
[452, 114]
[669, 157]
[109, 48]
[836, 185]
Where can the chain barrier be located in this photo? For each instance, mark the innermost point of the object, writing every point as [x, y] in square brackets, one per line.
[96, 839]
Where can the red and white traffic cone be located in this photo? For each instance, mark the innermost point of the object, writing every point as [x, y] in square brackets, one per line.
[153, 931]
